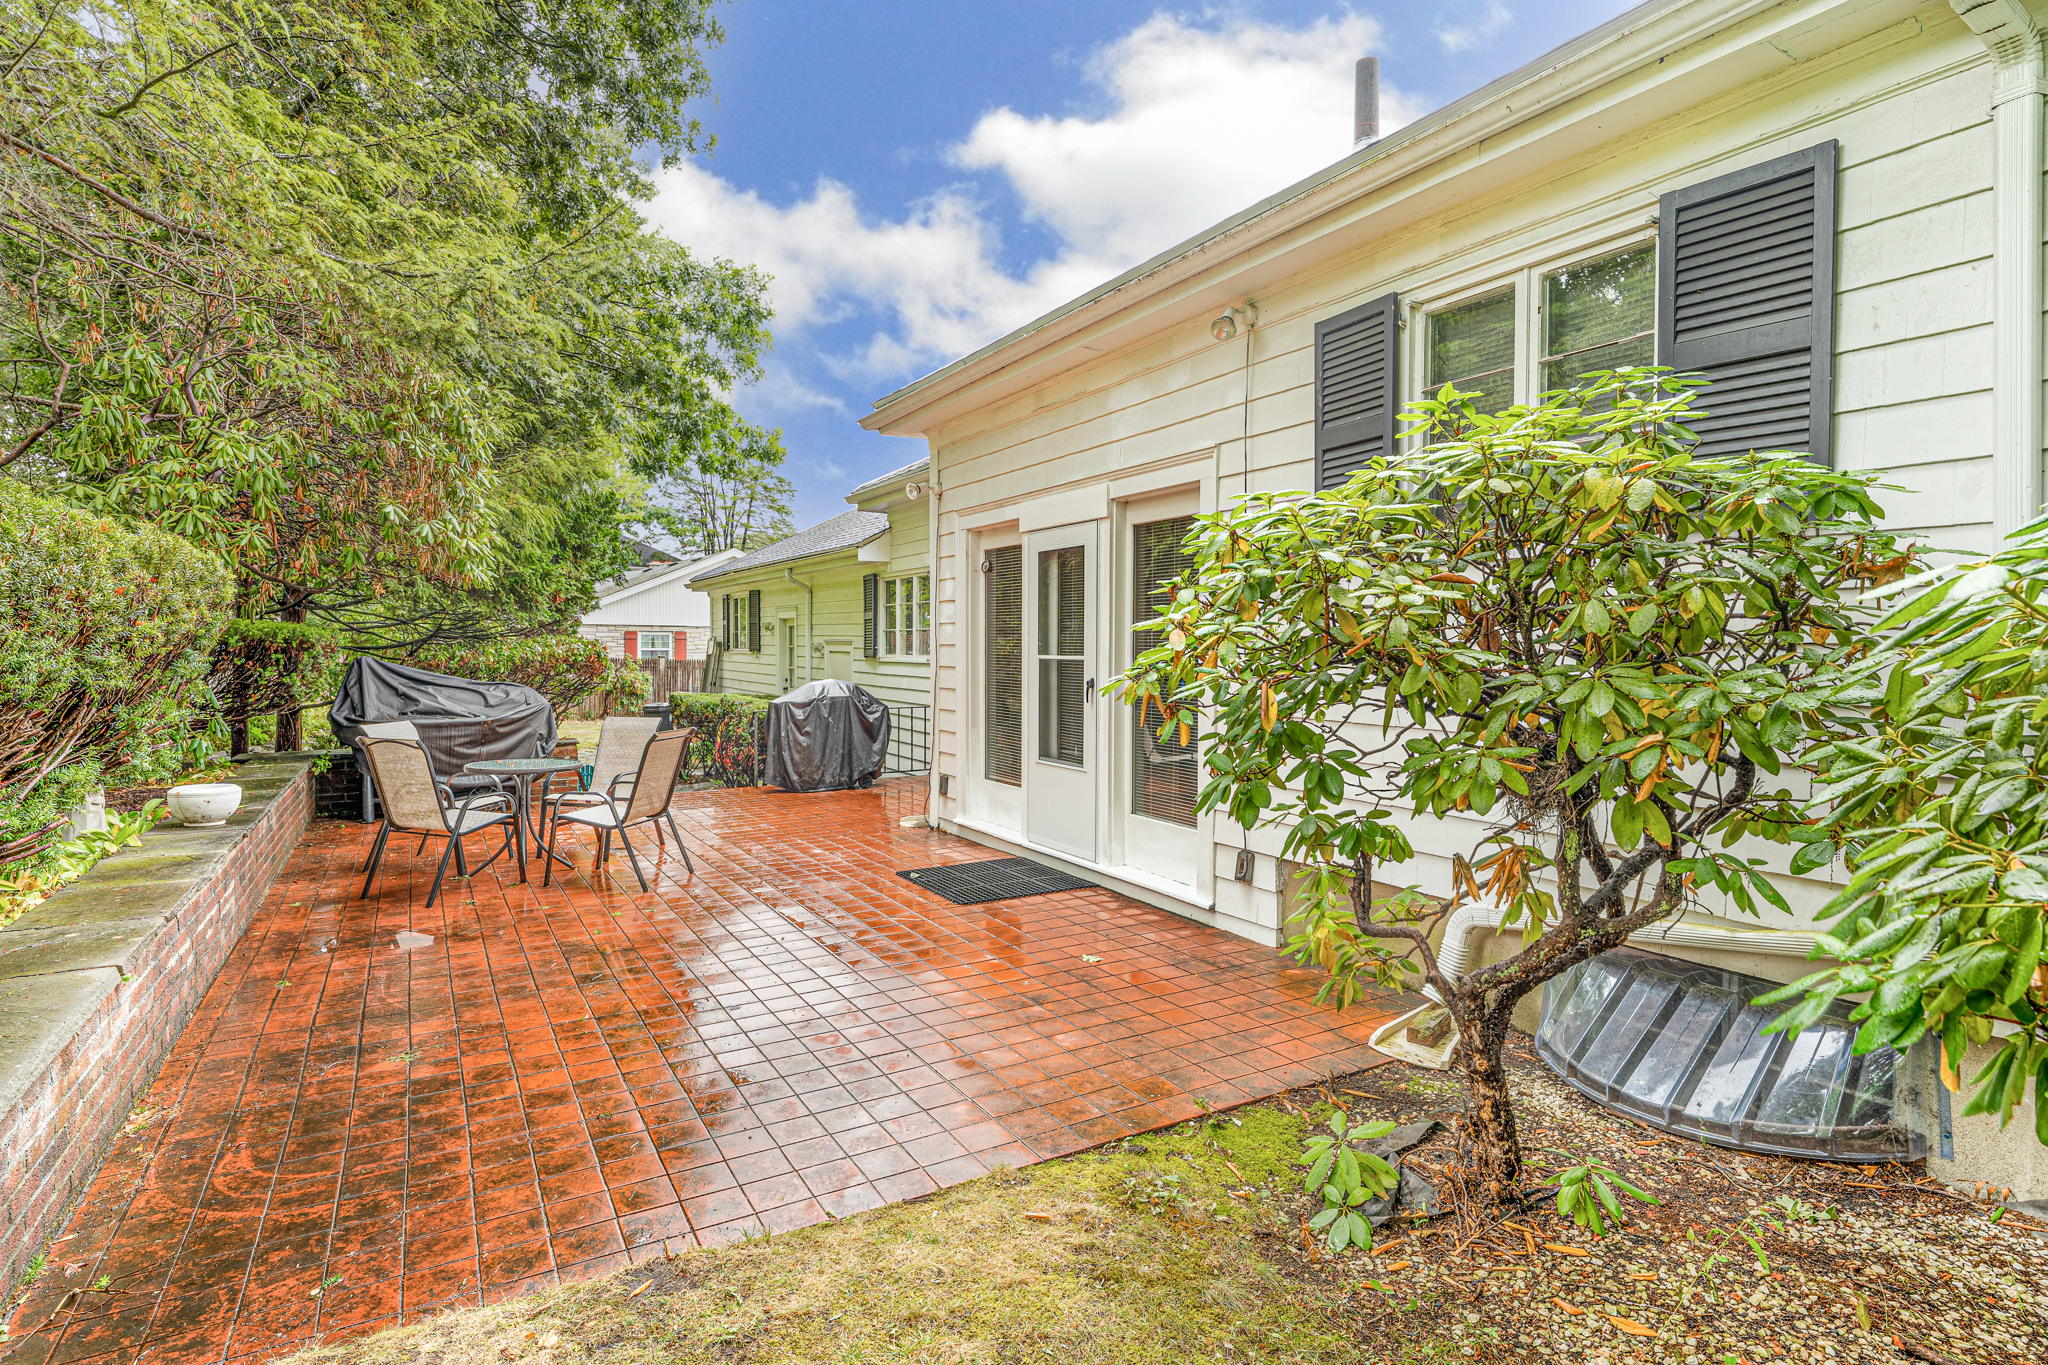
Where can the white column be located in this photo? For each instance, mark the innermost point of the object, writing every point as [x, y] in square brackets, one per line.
[2019, 100]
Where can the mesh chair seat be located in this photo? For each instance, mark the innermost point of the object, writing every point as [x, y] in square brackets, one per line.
[474, 819]
[600, 815]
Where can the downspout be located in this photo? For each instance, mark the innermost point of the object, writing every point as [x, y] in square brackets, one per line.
[810, 619]
[931, 489]
[2019, 98]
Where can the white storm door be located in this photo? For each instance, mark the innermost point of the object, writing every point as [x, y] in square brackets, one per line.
[1062, 741]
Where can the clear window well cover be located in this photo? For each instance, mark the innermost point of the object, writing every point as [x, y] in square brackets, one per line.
[1679, 1046]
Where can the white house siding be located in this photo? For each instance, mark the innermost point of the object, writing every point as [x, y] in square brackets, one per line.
[829, 626]
[1151, 400]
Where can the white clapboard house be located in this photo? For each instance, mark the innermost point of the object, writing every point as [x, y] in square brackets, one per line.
[1833, 208]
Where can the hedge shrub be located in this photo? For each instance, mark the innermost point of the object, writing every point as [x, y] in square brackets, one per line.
[728, 725]
[105, 631]
[563, 668]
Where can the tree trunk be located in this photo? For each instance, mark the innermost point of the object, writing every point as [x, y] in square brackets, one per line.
[290, 731]
[1491, 1122]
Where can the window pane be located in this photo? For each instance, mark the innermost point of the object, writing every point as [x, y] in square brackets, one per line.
[1166, 774]
[1062, 710]
[1062, 597]
[1473, 346]
[1002, 653]
[1599, 315]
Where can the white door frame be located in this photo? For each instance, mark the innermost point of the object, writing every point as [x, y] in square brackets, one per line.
[1062, 792]
[1152, 850]
[983, 800]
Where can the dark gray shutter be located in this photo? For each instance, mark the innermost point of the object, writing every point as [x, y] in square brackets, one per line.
[1746, 297]
[870, 606]
[1357, 388]
[725, 626]
[1002, 658]
[754, 620]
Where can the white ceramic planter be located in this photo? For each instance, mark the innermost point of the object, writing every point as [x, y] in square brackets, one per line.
[202, 805]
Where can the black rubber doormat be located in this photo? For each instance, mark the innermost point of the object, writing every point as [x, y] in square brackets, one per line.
[994, 879]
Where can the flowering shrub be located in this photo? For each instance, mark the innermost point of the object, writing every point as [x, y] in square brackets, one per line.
[727, 749]
[104, 633]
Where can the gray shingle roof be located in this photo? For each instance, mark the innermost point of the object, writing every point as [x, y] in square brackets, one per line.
[843, 532]
[894, 476]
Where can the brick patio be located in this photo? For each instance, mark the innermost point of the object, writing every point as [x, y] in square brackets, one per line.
[380, 1111]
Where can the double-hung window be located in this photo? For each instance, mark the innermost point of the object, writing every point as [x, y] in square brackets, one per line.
[1545, 330]
[907, 615]
[657, 644]
[1599, 315]
[1472, 346]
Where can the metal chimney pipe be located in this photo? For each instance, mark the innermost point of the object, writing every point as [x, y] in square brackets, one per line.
[1365, 121]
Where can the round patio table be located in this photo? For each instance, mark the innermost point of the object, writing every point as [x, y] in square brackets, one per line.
[523, 771]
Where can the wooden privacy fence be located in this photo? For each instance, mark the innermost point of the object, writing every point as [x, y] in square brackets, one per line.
[665, 676]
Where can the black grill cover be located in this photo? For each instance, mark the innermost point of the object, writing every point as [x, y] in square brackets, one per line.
[460, 720]
[826, 736]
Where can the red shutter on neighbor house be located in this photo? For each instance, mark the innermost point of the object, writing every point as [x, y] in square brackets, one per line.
[632, 644]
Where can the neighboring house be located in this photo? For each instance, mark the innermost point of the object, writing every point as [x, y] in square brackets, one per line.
[652, 612]
[1831, 207]
[849, 598]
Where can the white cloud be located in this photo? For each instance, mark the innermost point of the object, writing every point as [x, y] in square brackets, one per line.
[1480, 29]
[1192, 119]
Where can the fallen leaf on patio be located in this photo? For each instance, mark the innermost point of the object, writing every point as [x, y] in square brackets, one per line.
[1575, 1312]
[1565, 1250]
[1630, 1326]
[640, 1288]
[1641, 1275]
[1393, 1266]
[1086, 958]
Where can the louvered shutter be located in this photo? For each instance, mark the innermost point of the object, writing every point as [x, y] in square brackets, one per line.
[725, 623]
[632, 645]
[754, 620]
[870, 591]
[1357, 388]
[1002, 660]
[1746, 298]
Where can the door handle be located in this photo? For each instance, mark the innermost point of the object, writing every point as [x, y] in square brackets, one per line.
[1088, 691]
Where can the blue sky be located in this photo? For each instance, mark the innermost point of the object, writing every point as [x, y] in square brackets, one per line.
[920, 176]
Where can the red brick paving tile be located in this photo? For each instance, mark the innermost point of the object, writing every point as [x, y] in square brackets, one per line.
[563, 1081]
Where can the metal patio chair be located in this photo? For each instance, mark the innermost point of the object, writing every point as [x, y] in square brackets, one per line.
[654, 785]
[415, 802]
[455, 783]
[620, 746]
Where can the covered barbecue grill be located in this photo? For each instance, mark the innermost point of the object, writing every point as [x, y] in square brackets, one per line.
[460, 720]
[826, 736]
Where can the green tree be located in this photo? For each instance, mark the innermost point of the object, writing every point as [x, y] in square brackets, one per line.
[1557, 627]
[356, 293]
[1941, 810]
[724, 496]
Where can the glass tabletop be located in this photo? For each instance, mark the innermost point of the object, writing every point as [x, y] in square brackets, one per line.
[523, 765]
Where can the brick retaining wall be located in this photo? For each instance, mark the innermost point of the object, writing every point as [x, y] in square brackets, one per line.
[97, 983]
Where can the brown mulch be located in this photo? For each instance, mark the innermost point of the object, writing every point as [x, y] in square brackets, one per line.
[1745, 1259]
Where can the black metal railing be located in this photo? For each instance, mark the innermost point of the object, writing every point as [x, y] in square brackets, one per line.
[910, 741]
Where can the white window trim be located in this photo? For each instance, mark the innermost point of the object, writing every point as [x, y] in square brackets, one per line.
[1526, 280]
[668, 636]
[886, 619]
